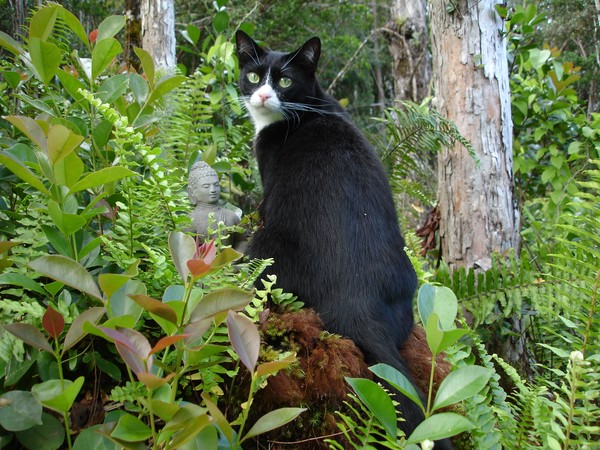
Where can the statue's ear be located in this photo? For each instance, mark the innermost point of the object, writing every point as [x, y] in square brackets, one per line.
[308, 55]
[247, 49]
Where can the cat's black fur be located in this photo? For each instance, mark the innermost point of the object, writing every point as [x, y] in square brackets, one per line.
[329, 220]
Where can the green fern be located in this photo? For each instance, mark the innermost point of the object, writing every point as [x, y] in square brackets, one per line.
[488, 410]
[360, 428]
[415, 133]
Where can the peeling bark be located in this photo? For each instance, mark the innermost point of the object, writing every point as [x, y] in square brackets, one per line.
[470, 79]
[478, 214]
[158, 32]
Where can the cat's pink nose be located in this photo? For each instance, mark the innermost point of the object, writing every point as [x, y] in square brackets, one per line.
[264, 97]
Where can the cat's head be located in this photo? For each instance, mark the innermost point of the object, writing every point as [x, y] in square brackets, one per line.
[277, 85]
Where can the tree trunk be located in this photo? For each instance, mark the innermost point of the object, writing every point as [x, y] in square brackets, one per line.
[158, 31]
[133, 32]
[471, 84]
[470, 79]
[408, 46]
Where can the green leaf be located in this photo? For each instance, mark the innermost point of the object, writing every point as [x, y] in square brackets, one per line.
[139, 88]
[23, 172]
[440, 426]
[439, 340]
[122, 305]
[68, 170]
[433, 333]
[273, 420]
[58, 395]
[164, 86]
[91, 439]
[219, 301]
[438, 299]
[110, 27]
[67, 271]
[378, 401]
[156, 307]
[112, 282]
[71, 84]
[538, 57]
[206, 438]
[461, 384]
[245, 338]
[189, 429]
[102, 177]
[103, 55]
[18, 279]
[224, 257]
[131, 429]
[31, 129]
[112, 88]
[50, 435]
[61, 142]
[219, 418]
[76, 332]
[271, 367]
[19, 410]
[46, 58]
[74, 25]
[42, 22]
[221, 21]
[66, 223]
[10, 44]
[30, 334]
[147, 64]
[398, 381]
[57, 240]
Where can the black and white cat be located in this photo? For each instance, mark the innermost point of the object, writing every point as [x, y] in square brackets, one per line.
[328, 215]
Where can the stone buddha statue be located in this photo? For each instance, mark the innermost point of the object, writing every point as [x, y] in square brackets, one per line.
[204, 192]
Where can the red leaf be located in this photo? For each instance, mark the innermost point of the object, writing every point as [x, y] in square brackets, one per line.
[198, 267]
[166, 341]
[53, 322]
[94, 35]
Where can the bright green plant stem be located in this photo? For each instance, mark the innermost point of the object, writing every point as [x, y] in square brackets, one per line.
[58, 356]
[430, 392]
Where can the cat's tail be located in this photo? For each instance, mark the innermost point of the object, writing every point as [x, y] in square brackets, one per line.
[378, 348]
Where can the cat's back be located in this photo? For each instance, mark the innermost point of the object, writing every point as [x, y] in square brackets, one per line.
[323, 146]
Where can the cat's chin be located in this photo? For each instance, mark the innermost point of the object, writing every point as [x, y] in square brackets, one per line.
[263, 117]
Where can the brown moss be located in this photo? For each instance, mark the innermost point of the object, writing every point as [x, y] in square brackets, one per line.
[317, 381]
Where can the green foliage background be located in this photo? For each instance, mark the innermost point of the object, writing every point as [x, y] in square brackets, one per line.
[93, 177]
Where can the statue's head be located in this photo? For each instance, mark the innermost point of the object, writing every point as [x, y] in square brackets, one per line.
[203, 184]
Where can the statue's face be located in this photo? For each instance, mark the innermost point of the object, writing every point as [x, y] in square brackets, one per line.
[207, 190]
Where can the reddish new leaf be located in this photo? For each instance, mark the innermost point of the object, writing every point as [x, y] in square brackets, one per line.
[198, 267]
[166, 341]
[53, 322]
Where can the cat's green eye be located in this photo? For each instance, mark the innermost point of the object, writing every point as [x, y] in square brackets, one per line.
[253, 77]
[285, 82]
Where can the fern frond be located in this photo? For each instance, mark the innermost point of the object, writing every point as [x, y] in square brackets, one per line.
[360, 428]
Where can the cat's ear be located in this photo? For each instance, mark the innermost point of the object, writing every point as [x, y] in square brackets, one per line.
[309, 53]
[247, 49]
